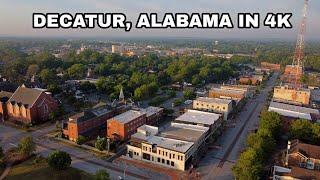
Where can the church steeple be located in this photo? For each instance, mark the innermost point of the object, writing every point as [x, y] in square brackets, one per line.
[121, 96]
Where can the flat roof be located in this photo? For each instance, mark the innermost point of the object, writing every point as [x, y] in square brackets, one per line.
[168, 143]
[184, 132]
[233, 91]
[214, 100]
[292, 110]
[200, 117]
[128, 116]
[151, 110]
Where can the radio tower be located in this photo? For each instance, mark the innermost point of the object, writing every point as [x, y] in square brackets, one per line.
[299, 51]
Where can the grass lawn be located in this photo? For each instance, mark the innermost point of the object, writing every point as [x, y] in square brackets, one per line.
[41, 171]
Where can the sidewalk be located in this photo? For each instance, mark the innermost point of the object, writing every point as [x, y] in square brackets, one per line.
[170, 173]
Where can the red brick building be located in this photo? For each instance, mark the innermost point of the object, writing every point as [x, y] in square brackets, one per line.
[27, 105]
[91, 123]
[227, 93]
[271, 66]
[4, 97]
[121, 127]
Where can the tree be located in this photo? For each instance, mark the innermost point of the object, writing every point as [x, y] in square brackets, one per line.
[48, 76]
[249, 166]
[272, 122]
[76, 71]
[101, 143]
[301, 129]
[102, 175]
[26, 146]
[81, 140]
[188, 94]
[32, 69]
[59, 160]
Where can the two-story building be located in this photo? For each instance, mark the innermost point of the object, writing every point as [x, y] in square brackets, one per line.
[122, 126]
[217, 105]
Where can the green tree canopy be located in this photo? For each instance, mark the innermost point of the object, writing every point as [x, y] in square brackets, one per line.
[59, 160]
[26, 146]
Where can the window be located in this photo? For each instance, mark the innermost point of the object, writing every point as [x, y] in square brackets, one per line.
[173, 156]
[170, 155]
[178, 157]
[181, 158]
[146, 156]
[158, 159]
[159, 152]
[168, 162]
[166, 154]
[172, 163]
[162, 161]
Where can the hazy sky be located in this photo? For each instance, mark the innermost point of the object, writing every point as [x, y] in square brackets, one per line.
[16, 17]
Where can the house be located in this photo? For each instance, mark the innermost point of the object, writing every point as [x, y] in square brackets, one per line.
[223, 106]
[302, 161]
[30, 106]
[122, 126]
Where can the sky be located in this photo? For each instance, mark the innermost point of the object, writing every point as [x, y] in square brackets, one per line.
[16, 17]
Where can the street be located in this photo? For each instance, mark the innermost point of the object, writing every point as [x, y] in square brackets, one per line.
[218, 162]
[81, 159]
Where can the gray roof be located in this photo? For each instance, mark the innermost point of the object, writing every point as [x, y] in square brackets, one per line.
[151, 110]
[292, 110]
[26, 96]
[89, 114]
[214, 100]
[128, 116]
[199, 117]
[183, 132]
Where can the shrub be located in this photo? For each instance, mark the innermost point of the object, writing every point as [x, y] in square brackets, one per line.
[59, 160]
[81, 140]
[26, 146]
[102, 175]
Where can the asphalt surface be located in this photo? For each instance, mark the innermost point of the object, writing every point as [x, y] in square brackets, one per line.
[218, 161]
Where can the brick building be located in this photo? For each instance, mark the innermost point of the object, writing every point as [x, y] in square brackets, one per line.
[271, 66]
[302, 161]
[227, 94]
[153, 115]
[249, 80]
[122, 126]
[90, 123]
[4, 97]
[27, 105]
[292, 74]
[285, 93]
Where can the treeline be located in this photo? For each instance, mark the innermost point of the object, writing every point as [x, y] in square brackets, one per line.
[260, 146]
[140, 77]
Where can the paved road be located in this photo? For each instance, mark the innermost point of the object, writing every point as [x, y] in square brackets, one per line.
[218, 162]
[81, 159]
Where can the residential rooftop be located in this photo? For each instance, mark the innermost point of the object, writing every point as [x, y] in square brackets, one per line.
[199, 117]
